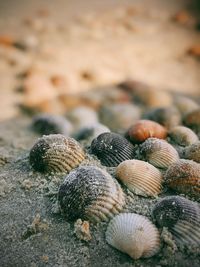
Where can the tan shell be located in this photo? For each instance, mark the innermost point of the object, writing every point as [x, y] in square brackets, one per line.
[140, 177]
[133, 234]
[192, 152]
[183, 136]
[185, 104]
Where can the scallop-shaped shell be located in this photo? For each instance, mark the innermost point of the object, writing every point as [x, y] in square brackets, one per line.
[158, 152]
[192, 120]
[182, 217]
[185, 104]
[168, 117]
[192, 152]
[140, 177]
[133, 234]
[182, 136]
[56, 153]
[119, 116]
[144, 129]
[90, 193]
[51, 124]
[184, 177]
[112, 149]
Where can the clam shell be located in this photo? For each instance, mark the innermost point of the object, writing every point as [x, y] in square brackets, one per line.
[112, 149]
[90, 193]
[144, 129]
[182, 136]
[192, 152]
[56, 153]
[192, 120]
[184, 177]
[140, 177]
[185, 104]
[133, 234]
[158, 152]
[51, 124]
[182, 217]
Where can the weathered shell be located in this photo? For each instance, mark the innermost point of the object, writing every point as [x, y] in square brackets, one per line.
[158, 152]
[51, 124]
[112, 149]
[185, 104]
[168, 117]
[144, 129]
[182, 136]
[140, 177]
[184, 177]
[192, 120]
[182, 217]
[133, 234]
[192, 152]
[90, 193]
[56, 153]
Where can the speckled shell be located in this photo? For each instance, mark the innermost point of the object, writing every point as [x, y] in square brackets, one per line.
[56, 153]
[133, 234]
[192, 152]
[192, 120]
[182, 136]
[90, 193]
[144, 129]
[184, 177]
[168, 117]
[51, 124]
[158, 152]
[182, 217]
[140, 177]
[112, 149]
[185, 104]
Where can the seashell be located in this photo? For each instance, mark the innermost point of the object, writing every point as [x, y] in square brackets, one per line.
[51, 124]
[168, 117]
[56, 153]
[140, 177]
[192, 120]
[182, 136]
[119, 116]
[112, 149]
[144, 129]
[192, 152]
[182, 217]
[185, 104]
[184, 177]
[158, 152]
[133, 234]
[90, 193]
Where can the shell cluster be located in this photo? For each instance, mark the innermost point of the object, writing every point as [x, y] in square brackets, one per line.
[90, 193]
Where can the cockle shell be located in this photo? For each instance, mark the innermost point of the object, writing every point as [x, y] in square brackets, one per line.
[56, 153]
[90, 193]
[182, 136]
[192, 152]
[192, 120]
[184, 177]
[185, 104]
[140, 177]
[133, 234]
[182, 217]
[51, 124]
[158, 152]
[111, 149]
[143, 129]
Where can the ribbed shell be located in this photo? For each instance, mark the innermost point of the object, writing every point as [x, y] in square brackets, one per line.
[185, 104]
[133, 234]
[183, 136]
[184, 177]
[56, 153]
[90, 193]
[144, 129]
[182, 217]
[158, 152]
[140, 177]
[112, 149]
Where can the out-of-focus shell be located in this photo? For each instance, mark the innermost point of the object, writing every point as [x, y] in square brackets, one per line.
[182, 136]
[158, 152]
[168, 117]
[112, 149]
[51, 124]
[90, 193]
[182, 217]
[185, 104]
[184, 177]
[140, 177]
[192, 120]
[133, 234]
[56, 153]
[144, 129]
[192, 152]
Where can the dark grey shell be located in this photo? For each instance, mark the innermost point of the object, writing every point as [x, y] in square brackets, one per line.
[112, 149]
[51, 124]
[56, 153]
[181, 216]
[90, 193]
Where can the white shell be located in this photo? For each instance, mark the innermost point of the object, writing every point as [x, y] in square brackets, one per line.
[133, 234]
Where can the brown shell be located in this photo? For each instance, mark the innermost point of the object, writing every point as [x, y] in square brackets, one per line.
[192, 120]
[192, 152]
